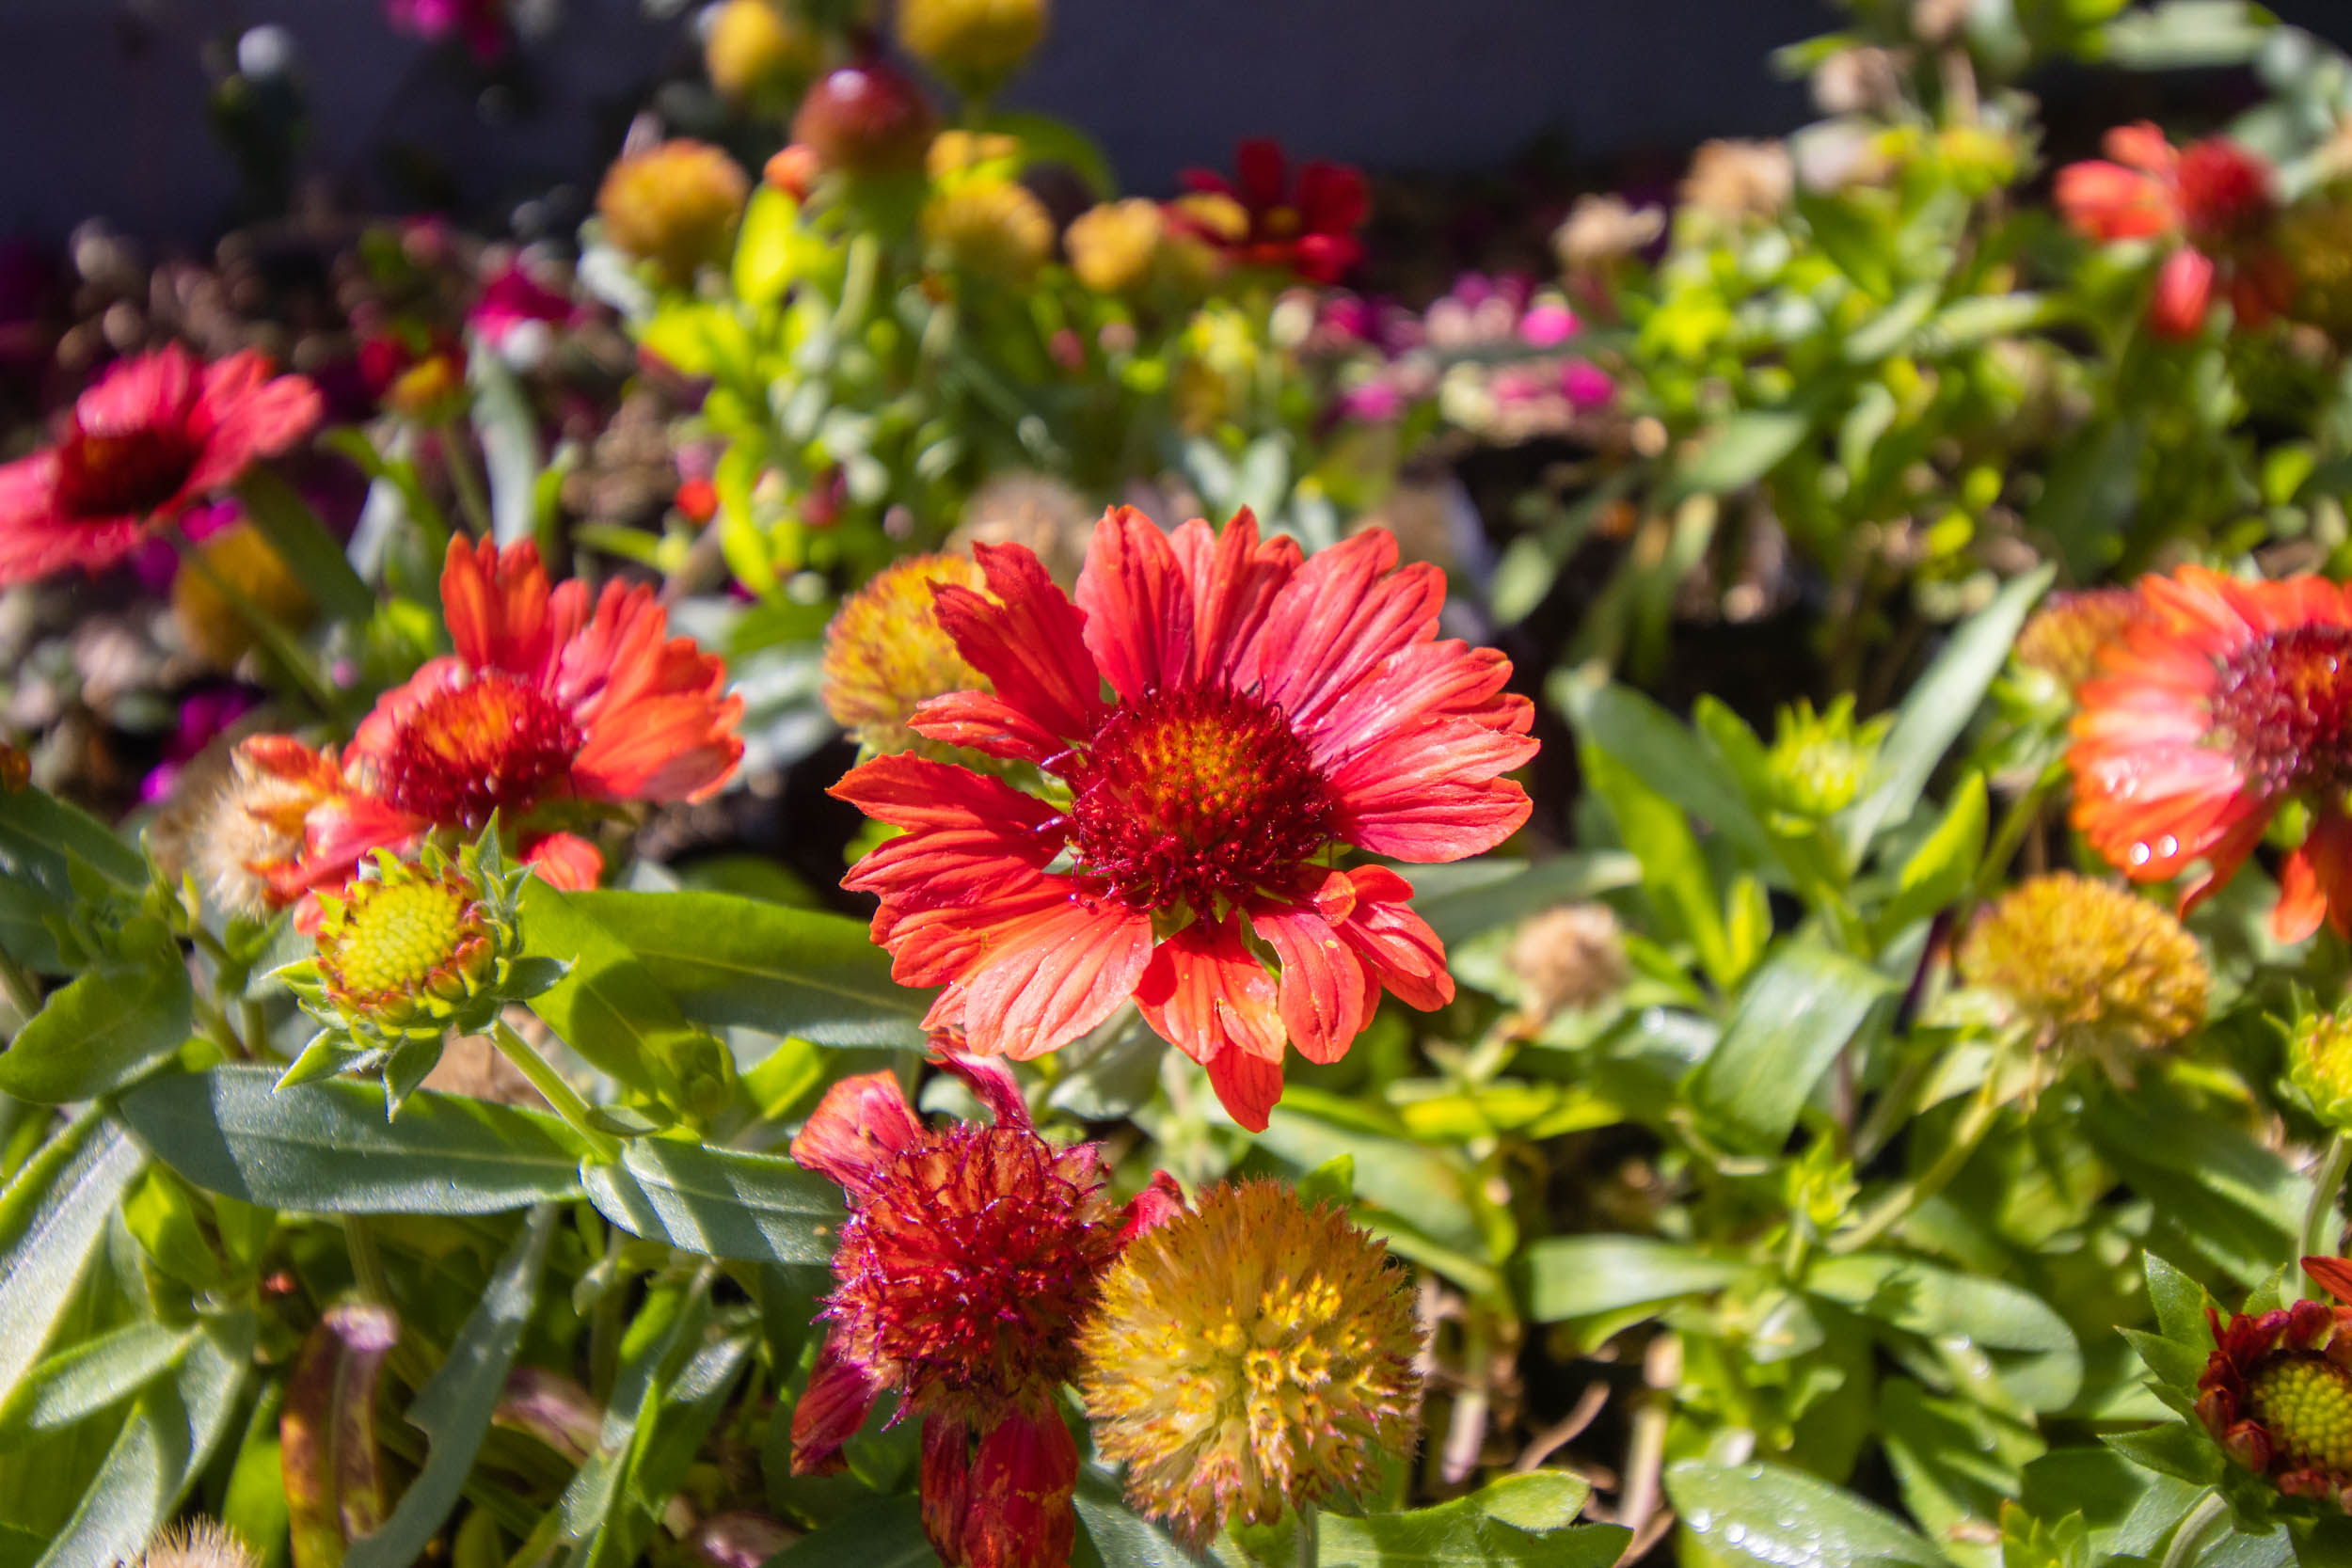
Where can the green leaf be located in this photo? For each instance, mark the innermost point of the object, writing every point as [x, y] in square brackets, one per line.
[1674, 872]
[2213, 1186]
[48, 841]
[509, 434]
[1940, 870]
[717, 1202]
[453, 1408]
[1767, 1515]
[1463, 1532]
[1044, 138]
[1854, 240]
[1662, 752]
[1468, 897]
[885, 1533]
[2186, 35]
[2170, 1450]
[608, 1006]
[663, 1448]
[326, 1149]
[98, 1034]
[1957, 1462]
[1742, 449]
[310, 552]
[51, 1218]
[2180, 1303]
[1795, 1014]
[78, 1383]
[2039, 1361]
[732, 961]
[763, 247]
[1939, 707]
[1581, 1277]
[1120, 1536]
[166, 1440]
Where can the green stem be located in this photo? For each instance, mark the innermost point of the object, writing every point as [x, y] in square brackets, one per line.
[367, 1264]
[471, 499]
[2193, 1529]
[552, 1088]
[1308, 1538]
[272, 633]
[22, 989]
[2320, 1236]
[2022, 814]
[1897, 1206]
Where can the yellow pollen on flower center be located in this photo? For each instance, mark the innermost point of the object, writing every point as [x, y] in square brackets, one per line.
[2306, 1403]
[395, 936]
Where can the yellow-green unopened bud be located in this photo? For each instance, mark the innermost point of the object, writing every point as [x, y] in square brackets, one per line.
[2319, 1060]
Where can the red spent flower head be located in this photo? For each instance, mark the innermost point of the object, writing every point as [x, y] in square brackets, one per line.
[969, 1258]
[512, 298]
[153, 436]
[2214, 200]
[2276, 1392]
[1267, 711]
[2217, 704]
[868, 118]
[1307, 227]
[545, 700]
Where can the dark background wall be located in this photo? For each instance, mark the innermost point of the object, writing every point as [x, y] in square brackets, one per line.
[102, 101]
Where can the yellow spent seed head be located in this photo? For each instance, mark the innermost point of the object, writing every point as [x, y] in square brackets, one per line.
[2089, 966]
[887, 654]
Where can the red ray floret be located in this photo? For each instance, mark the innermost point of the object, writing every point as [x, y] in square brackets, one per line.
[153, 436]
[2223, 702]
[1265, 711]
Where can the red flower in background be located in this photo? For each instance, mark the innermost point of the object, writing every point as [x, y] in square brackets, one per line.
[969, 1258]
[1266, 712]
[481, 24]
[511, 297]
[545, 700]
[2213, 197]
[152, 437]
[2215, 705]
[1307, 227]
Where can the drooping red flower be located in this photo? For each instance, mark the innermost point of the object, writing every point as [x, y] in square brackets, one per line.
[1307, 227]
[2276, 1392]
[2213, 199]
[546, 700]
[2215, 705]
[152, 437]
[969, 1258]
[511, 297]
[1266, 712]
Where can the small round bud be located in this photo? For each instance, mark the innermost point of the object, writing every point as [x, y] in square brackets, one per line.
[756, 53]
[673, 205]
[974, 44]
[867, 119]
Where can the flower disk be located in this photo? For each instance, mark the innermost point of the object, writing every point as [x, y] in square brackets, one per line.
[2277, 1396]
[491, 743]
[1190, 796]
[965, 1265]
[2062, 639]
[887, 654]
[395, 941]
[1250, 1356]
[2090, 966]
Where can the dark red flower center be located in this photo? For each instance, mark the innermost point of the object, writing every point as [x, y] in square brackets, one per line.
[967, 1268]
[1191, 796]
[2225, 193]
[130, 473]
[493, 744]
[2284, 707]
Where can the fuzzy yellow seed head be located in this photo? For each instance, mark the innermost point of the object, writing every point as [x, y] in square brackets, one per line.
[887, 654]
[1250, 1356]
[2089, 966]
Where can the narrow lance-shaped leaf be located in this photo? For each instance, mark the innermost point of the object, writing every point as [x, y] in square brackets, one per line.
[1795, 1016]
[719, 1202]
[326, 1149]
[51, 1219]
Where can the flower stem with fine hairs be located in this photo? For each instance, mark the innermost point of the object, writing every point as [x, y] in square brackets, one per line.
[2321, 1237]
[2193, 1531]
[1974, 1123]
[553, 1090]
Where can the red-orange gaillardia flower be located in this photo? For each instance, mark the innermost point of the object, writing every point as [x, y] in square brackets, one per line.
[2277, 1392]
[2221, 702]
[153, 436]
[1266, 712]
[545, 700]
[1307, 227]
[2214, 196]
[970, 1256]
